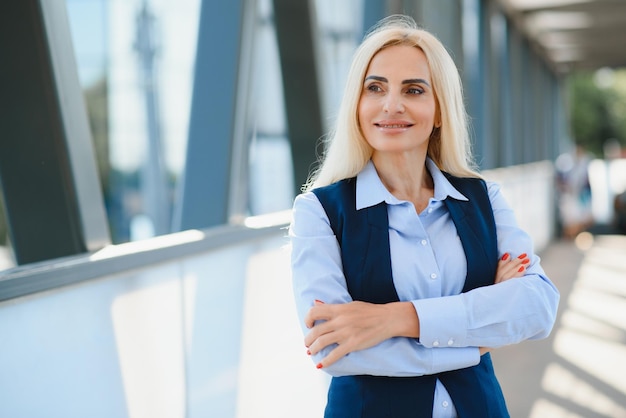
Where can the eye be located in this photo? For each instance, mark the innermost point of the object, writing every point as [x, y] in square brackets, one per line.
[374, 88]
[415, 90]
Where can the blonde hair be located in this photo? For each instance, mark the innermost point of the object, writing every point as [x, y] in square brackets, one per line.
[347, 152]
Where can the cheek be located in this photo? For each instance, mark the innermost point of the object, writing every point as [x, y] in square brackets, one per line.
[361, 115]
[364, 110]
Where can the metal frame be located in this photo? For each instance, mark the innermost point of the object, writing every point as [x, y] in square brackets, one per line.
[205, 189]
[53, 198]
[294, 22]
[65, 271]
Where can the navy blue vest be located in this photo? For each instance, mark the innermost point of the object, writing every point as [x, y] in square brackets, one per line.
[364, 240]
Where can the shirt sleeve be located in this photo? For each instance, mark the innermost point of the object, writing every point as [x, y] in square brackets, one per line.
[317, 273]
[497, 315]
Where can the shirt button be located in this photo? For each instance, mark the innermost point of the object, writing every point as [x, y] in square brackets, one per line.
[445, 404]
[433, 276]
[430, 210]
[424, 242]
[450, 341]
[436, 343]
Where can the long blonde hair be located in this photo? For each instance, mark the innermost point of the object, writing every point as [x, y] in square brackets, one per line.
[347, 152]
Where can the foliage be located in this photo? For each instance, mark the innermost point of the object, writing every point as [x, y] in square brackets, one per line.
[597, 112]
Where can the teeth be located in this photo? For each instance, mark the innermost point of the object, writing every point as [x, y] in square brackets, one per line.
[393, 126]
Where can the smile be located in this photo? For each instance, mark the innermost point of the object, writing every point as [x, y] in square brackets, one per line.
[393, 126]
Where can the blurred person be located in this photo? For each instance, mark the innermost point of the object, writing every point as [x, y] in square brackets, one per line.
[574, 192]
[619, 212]
[408, 268]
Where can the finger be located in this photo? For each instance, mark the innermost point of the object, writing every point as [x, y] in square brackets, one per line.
[332, 357]
[509, 268]
[315, 340]
[506, 269]
[318, 312]
[516, 268]
[319, 329]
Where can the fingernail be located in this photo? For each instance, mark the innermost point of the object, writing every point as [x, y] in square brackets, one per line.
[526, 261]
[521, 269]
[523, 255]
[505, 257]
[318, 301]
[308, 352]
[319, 365]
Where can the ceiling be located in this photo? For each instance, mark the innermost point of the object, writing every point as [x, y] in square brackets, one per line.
[574, 34]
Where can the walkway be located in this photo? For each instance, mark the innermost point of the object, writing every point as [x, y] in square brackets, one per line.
[580, 371]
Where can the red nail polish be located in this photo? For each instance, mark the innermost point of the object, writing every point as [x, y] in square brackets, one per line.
[319, 365]
[505, 257]
[308, 352]
[526, 261]
[521, 269]
[523, 255]
[318, 301]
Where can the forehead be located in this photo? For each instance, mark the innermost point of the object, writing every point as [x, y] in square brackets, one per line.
[400, 60]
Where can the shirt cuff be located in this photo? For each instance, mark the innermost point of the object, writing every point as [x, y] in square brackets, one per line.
[443, 322]
[459, 358]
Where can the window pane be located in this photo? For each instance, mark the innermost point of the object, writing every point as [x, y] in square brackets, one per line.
[135, 61]
[7, 260]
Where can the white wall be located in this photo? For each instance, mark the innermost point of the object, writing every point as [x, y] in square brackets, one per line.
[529, 190]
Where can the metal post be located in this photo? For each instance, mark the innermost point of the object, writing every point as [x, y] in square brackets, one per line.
[48, 174]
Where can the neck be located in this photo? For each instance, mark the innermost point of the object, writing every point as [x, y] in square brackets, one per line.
[406, 177]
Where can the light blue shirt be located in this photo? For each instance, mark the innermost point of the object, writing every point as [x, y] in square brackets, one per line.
[429, 270]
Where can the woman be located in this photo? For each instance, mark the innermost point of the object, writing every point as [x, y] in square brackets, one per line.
[402, 254]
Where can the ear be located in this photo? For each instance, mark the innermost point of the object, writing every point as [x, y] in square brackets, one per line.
[437, 115]
[438, 120]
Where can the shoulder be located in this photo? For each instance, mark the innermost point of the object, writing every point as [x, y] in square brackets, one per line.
[339, 187]
[336, 194]
[464, 180]
[467, 185]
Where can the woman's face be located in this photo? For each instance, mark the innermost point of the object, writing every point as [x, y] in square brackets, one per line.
[397, 108]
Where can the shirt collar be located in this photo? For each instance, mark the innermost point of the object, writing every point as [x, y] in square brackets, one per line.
[370, 190]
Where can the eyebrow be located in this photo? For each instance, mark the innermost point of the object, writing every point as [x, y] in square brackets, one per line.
[409, 81]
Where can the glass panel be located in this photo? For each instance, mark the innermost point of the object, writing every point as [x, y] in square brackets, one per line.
[135, 60]
[271, 172]
[339, 28]
[7, 259]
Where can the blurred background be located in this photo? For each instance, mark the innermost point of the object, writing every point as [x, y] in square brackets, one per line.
[150, 152]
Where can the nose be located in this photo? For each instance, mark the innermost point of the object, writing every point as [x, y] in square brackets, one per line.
[393, 103]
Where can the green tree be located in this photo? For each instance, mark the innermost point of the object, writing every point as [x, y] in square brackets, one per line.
[598, 113]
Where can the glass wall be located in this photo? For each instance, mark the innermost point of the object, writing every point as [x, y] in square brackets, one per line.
[7, 259]
[135, 61]
[136, 64]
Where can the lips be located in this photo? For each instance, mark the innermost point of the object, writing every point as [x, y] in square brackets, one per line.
[380, 125]
[393, 124]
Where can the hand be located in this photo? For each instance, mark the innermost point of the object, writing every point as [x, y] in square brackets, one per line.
[484, 350]
[356, 326]
[509, 268]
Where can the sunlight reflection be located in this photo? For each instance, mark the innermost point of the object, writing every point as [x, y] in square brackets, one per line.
[579, 322]
[600, 305]
[603, 360]
[147, 323]
[561, 382]
[590, 339]
[543, 408]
